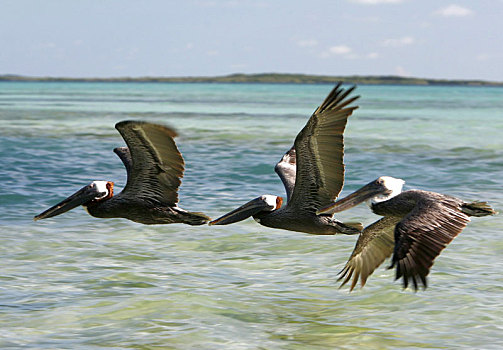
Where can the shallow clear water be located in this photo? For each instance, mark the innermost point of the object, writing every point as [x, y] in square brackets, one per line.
[74, 281]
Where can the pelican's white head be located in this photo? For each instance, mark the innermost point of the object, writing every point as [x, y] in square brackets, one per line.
[103, 188]
[391, 187]
[273, 202]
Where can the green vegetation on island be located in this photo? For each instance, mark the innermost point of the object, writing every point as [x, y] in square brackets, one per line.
[271, 78]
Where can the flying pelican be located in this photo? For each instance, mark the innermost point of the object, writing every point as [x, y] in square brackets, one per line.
[312, 172]
[416, 227]
[154, 170]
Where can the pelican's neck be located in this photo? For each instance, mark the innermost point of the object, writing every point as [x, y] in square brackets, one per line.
[381, 198]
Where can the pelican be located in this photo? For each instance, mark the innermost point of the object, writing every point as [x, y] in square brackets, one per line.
[154, 170]
[312, 172]
[416, 226]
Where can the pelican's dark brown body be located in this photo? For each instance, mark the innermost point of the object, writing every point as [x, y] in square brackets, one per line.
[406, 201]
[144, 212]
[307, 222]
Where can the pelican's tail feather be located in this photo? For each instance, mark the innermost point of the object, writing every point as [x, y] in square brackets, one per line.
[477, 209]
[196, 218]
[350, 228]
[190, 217]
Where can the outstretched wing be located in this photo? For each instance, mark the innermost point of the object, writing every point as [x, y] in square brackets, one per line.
[420, 237]
[156, 165]
[319, 152]
[374, 245]
[286, 170]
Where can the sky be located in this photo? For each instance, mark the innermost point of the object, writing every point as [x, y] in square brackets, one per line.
[459, 39]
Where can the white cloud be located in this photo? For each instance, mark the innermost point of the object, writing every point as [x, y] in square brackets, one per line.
[377, 2]
[453, 11]
[398, 42]
[346, 52]
[340, 50]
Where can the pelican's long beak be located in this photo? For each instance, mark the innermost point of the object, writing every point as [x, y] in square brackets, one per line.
[251, 208]
[82, 196]
[366, 192]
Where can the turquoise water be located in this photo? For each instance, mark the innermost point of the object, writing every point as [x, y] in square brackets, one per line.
[76, 282]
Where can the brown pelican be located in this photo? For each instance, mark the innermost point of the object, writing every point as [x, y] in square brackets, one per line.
[416, 227]
[154, 168]
[312, 172]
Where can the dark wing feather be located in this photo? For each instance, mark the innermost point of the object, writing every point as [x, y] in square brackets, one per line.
[157, 165]
[286, 170]
[125, 156]
[421, 236]
[374, 245]
[319, 152]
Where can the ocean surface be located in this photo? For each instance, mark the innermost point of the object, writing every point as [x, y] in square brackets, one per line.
[77, 282]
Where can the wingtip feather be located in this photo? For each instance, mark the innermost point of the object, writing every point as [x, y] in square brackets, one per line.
[141, 123]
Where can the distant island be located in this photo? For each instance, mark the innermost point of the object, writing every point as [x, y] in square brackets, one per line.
[270, 78]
